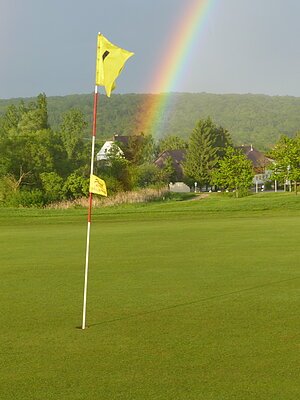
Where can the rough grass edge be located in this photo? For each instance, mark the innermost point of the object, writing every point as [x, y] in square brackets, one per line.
[138, 196]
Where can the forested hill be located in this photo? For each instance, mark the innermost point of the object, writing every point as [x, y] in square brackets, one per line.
[256, 119]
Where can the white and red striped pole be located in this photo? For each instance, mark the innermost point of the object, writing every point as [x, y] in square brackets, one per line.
[89, 211]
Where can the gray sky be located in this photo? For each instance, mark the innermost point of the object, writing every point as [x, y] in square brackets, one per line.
[247, 46]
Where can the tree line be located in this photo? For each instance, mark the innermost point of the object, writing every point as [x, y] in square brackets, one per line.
[40, 164]
[256, 119]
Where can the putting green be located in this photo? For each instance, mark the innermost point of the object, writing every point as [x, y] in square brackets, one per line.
[186, 300]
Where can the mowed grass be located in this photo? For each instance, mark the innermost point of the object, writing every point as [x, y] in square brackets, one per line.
[186, 300]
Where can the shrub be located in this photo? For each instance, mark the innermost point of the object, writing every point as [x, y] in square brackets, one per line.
[28, 198]
[8, 189]
[113, 185]
[52, 186]
[146, 175]
[75, 186]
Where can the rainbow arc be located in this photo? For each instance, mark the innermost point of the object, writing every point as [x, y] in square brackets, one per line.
[185, 39]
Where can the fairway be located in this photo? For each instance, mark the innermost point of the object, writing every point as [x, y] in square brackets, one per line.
[185, 301]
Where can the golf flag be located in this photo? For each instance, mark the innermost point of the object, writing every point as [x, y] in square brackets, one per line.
[110, 62]
[97, 186]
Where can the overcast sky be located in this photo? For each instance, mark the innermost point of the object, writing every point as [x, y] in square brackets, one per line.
[247, 46]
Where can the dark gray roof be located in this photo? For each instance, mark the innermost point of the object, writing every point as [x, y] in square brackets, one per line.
[178, 157]
[258, 159]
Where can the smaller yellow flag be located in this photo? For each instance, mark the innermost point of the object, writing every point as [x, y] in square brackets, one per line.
[97, 185]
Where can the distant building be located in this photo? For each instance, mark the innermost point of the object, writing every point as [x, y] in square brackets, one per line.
[121, 139]
[109, 145]
[179, 187]
[260, 164]
[116, 142]
[259, 161]
[178, 158]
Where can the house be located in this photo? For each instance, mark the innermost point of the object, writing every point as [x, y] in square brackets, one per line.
[106, 149]
[115, 143]
[177, 157]
[259, 161]
[121, 139]
[260, 165]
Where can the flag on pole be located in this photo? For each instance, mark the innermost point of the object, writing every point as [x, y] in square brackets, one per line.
[110, 62]
[97, 185]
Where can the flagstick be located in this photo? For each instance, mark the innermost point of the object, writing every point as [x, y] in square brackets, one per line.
[89, 211]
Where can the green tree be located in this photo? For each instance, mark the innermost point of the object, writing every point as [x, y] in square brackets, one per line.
[10, 120]
[222, 140]
[75, 186]
[5, 155]
[172, 142]
[27, 155]
[8, 188]
[147, 175]
[169, 171]
[201, 156]
[52, 185]
[286, 154]
[72, 131]
[139, 150]
[42, 107]
[33, 117]
[235, 172]
[117, 167]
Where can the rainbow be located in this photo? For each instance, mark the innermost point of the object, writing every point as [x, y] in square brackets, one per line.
[174, 65]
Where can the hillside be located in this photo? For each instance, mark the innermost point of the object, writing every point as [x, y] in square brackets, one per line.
[256, 119]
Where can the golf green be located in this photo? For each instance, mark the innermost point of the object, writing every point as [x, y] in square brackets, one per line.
[186, 300]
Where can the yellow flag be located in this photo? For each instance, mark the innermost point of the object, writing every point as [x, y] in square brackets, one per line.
[97, 185]
[110, 62]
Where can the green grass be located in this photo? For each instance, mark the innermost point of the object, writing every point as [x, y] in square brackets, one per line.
[187, 300]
